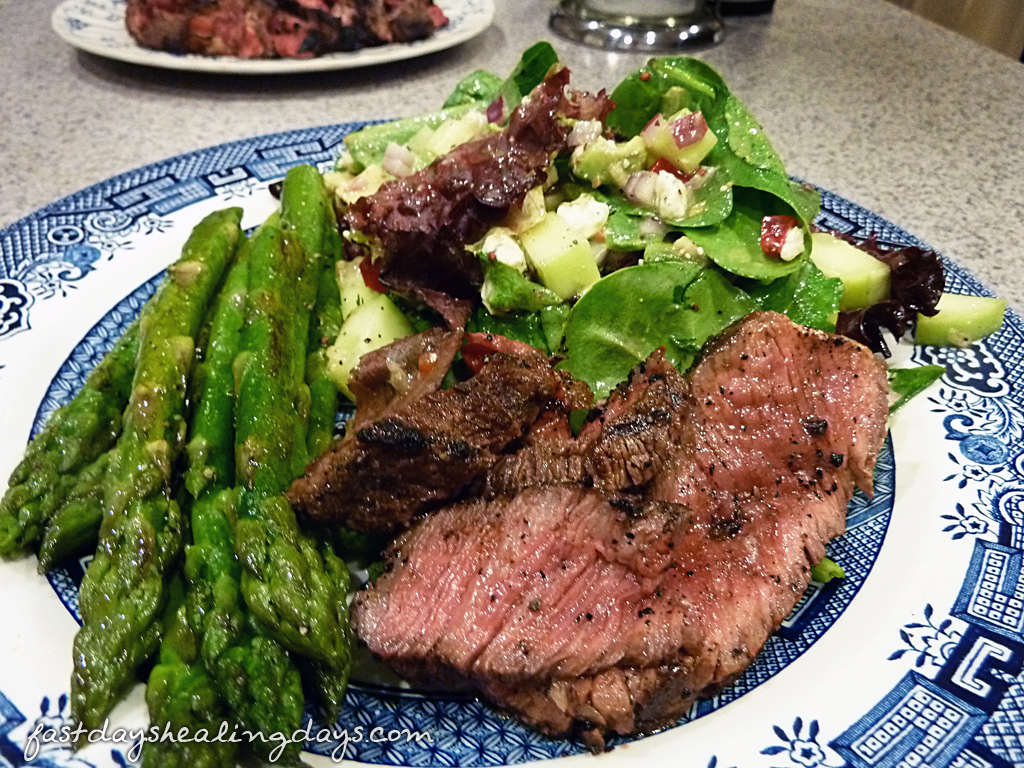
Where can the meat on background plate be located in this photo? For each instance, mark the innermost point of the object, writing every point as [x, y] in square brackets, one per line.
[275, 28]
[590, 611]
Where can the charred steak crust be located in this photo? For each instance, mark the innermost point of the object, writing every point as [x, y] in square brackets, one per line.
[622, 447]
[277, 28]
[576, 611]
[425, 450]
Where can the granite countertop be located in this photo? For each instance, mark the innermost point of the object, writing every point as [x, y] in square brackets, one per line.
[901, 116]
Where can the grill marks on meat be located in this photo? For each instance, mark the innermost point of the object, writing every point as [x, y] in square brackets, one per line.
[579, 609]
[621, 448]
[408, 451]
[424, 221]
[277, 28]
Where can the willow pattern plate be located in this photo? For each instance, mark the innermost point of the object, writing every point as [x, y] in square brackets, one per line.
[915, 659]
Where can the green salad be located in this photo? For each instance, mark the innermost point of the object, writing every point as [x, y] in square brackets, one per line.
[658, 226]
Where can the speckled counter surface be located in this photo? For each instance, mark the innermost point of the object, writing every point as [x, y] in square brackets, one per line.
[922, 126]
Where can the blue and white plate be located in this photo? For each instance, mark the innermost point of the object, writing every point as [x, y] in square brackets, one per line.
[97, 26]
[915, 659]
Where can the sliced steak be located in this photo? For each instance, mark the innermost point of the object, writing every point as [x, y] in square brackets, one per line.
[400, 373]
[579, 609]
[622, 447]
[775, 399]
[421, 448]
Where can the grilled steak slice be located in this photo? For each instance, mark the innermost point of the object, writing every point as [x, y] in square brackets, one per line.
[277, 28]
[622, 447]
[579, 609]
[776, 401]
[423, 448]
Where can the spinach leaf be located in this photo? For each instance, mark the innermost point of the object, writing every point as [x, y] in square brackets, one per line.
[806, 296]
[480, 88]
[552, 322]
[622, 232]
[506, 290]
[804, 201]
[908, 382]
[711, 303]
[636, 101]
[529, 73]
[628, 314]
[746, 138]
[712, 203]
[682, 81]
[735, 244]
[622, 319]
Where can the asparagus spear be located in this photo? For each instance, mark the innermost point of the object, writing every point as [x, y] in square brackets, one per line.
[210, 449]
[263, 689]
[254, 679]
[326, 322]
[329, 679]
[75, 525]
[181, 695]
[253, 675]
[285, 580]
[76, 435]
[123, 589]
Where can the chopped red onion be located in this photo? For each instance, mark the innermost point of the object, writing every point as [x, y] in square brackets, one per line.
[398, 160]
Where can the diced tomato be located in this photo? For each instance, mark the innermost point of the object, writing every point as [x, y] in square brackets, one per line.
[371, 275]
[773, 233]
[665, 165]
[477, 346]
[427, 362]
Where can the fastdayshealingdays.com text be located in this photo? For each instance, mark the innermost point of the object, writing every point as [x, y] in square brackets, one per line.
[66, 735]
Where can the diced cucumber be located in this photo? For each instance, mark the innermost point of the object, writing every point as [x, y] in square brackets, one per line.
[452, 133]
[373, 324]
[367, 145]
[961, 320]
[365, 183]
[865, 278]
[602, 161]
[560, 256]
[521, 218]
[353, 289]
[660, 138]
[420, 142]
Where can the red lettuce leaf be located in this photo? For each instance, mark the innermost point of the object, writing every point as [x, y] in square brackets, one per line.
[916, 282]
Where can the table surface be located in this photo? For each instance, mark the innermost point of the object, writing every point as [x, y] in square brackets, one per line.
[907, 119]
